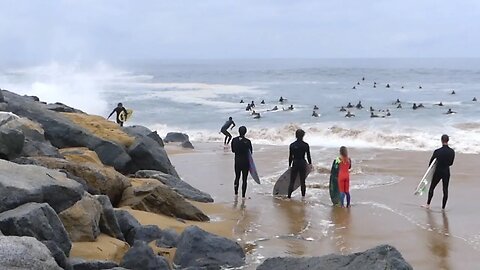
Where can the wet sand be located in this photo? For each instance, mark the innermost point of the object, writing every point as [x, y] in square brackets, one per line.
[384, 209]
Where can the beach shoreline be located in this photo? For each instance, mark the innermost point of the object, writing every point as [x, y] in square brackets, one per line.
[384, 212]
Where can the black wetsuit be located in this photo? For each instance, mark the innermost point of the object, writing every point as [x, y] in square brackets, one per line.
[296, 159]
[225, 132]
[118, 110]
[241, 146]
[445, 156]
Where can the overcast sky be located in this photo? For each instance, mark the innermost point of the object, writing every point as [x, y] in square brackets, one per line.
[64, 30]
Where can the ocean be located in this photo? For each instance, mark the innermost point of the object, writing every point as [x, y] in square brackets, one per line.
[197, 97]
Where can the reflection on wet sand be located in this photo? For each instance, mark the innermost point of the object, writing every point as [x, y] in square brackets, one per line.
[438, 238]
[341, 220]
[295, 216]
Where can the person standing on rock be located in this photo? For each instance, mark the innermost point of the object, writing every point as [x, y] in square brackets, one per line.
[296, 160]
[242, 147]
[118, 110]
[225, 132]
[445, 157]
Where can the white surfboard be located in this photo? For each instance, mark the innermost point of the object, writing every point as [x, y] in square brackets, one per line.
[427, 178]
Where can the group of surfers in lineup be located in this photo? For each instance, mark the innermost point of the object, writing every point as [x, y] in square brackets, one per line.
[299, 160]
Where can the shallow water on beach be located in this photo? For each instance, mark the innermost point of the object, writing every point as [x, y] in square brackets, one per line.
[384, 209]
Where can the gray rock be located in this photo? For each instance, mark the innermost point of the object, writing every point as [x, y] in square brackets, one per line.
[169, 239]
[126, 221]
[197, 247]
[378, 258]
[154, 135]
[157, 198]
[25, 253]
[82, 220]
[187, 145]
[176, 137]
[6, 117]
[31, 130]
[39, 148]
[37, 220]
[106, 180]
[60, 107]
[145, 233]
[147, 155]
[108, 220]
[141, 131]
[11, 143]
[118, 268]
[62, 132]
[81, 264]
[142, 257]
[20, 184]
[180, 186]
[58, 255]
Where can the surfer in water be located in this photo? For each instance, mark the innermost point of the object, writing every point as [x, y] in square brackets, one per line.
[118, 110]
[241, 147]
[345, 164]
[224, 130]
[296, 160]
[445, 157]
[315, 114]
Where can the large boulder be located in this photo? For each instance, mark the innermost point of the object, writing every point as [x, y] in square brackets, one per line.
[30, 129]
[11, 143]
[25, 253]
[82, 220]
[82, 264]
[141, 131]
[126, 221]
[176, 137]
[197, 247]
[38, 220]
[157, 198]
[39, 149]
[181, 187]
[60, 107]
[62, 132]
[145, 233]
[146, 154]
[169, 239]
[20, 184]
[108, 220]
[142, 257]
[80, 155]
[104, 179]
[378, 258]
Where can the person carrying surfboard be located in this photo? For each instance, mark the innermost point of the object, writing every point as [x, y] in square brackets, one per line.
[344, 166]
[225, 132]
[296, 160]
[445, 157]
[119, 109]
[242, 147]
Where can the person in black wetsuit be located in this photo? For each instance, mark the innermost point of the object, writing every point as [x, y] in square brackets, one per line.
[241, 146]
[445, 157]
[118, 110]
[296, 160]
[224, 130]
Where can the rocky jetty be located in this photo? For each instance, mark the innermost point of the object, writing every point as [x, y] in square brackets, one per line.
[63, 176]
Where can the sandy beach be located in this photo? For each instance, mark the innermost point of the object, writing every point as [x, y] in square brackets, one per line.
[384, 209]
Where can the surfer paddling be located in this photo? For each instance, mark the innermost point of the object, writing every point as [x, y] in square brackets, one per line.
[445, 157]
[119, 109]
[242, 147]
[296, 160]
[224, 130]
